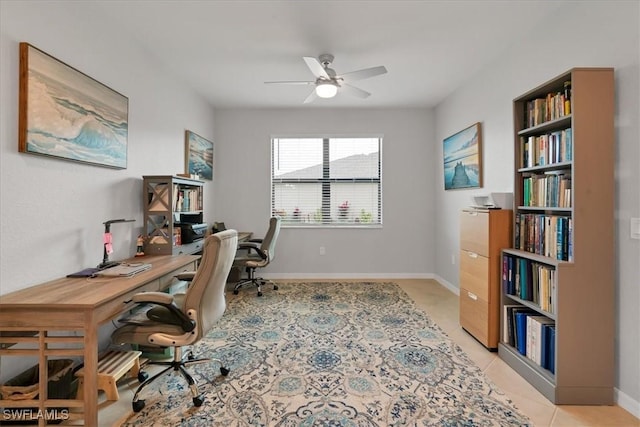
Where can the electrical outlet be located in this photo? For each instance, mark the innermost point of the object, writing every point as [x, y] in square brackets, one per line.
[635, 228]
[322, 250]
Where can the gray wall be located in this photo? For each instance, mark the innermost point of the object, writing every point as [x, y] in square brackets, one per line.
[592, 34]
[52, 210]
[403, 247]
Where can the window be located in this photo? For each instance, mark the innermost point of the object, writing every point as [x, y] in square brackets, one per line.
[333, 182]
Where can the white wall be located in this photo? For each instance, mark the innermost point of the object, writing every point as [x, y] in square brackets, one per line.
[589, 34]
[403, 247]
[52, 210]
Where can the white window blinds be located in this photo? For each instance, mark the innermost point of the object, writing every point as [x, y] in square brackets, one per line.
[327, 181]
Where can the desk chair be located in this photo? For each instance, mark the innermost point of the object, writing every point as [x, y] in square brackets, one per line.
[258, 253]
[183, 319]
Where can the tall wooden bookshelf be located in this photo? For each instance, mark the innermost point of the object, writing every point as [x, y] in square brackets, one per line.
[562, 260]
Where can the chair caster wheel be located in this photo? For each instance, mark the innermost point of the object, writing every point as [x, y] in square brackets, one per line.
[224, 371]
[275, 287]
[198, 401]
[259, 294]
[235, 292]
[137, 405]
[142, 377]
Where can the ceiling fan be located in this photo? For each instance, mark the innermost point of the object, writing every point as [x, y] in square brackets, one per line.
[327, 82]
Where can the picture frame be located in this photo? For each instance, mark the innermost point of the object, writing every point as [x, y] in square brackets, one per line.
[462, 153]
[198, 155]
[65, 114]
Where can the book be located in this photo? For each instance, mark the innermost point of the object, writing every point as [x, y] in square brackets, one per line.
[536, 344]
[551, 355]
[521, 331]
[507, 325]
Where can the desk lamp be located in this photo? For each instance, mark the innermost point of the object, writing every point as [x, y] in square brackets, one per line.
[108, 248]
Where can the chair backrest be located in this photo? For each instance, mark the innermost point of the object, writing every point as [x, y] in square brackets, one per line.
[269, 241]
[206, 291]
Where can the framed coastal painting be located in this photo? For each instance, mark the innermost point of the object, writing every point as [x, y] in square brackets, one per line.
[198, 156]
[64, 113]
[463, 159]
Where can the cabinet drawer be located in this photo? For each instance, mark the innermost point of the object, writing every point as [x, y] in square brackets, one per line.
[474, 232]
[474, 273]
[474, 315]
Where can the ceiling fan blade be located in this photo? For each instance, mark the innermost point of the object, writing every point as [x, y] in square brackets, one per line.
[352, 90]
[290, 83]
[362, 74]
[312, 97]
[316, 67]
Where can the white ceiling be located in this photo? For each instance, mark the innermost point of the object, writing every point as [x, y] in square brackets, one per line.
[226, 50]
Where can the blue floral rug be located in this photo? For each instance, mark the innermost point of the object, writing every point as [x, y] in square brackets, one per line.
[330, 354]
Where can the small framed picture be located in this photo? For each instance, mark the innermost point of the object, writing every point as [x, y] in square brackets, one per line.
[463, 159]
[198, 156]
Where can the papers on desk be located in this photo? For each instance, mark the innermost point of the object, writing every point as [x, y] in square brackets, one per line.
[124, 270]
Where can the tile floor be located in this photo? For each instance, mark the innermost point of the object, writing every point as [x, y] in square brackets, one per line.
[442, 306]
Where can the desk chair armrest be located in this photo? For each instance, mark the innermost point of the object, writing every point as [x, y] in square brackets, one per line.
[187, 276]
[167, 312]
[254, 240]
[160, 298]
[253, 246]
[248, 245]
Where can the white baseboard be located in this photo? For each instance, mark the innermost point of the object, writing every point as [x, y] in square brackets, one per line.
[334, 276]
[453, 288]
[626, 402]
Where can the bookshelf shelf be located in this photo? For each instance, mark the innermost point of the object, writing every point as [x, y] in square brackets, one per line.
[557, 296]
[167, 199]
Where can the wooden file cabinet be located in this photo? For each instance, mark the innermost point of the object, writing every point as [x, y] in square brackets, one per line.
[483, 233]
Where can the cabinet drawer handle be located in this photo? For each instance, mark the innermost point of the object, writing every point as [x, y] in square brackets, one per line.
[472, 296]
[472, 213]
[472, 254]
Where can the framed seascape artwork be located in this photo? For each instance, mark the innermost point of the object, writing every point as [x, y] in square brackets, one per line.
[463, 159]
[198, 155]
[64, 113]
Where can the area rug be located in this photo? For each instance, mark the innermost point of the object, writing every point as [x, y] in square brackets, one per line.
[330, 354]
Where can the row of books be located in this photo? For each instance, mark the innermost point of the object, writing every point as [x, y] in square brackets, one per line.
[534, 336]
[551, 189]
[530, 281]
[552, 107]
[183, 199]
[546, 235]
[188, 200]
[541, 150]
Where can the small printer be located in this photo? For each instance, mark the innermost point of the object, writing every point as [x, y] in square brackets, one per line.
[189, 233]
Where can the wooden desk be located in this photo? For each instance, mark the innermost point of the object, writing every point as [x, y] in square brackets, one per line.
[74, 309]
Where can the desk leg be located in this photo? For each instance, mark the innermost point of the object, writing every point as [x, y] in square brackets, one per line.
[90, 371]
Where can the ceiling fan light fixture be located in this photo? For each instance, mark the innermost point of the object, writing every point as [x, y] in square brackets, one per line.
[326, 90]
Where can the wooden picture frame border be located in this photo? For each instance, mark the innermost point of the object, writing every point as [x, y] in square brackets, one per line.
[66, 114]
[462, 158]
[198, 157]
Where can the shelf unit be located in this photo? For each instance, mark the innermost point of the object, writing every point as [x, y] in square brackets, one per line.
[167, 201]
[562, 258]
[483, 233]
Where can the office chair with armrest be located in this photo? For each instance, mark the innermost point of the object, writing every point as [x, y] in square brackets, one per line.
[259, 254]
[183, 319]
